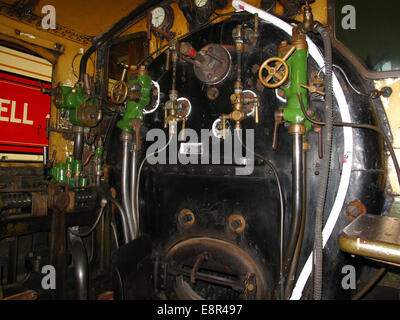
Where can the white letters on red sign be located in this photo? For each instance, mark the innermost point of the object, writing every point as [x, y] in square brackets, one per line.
[13, 118]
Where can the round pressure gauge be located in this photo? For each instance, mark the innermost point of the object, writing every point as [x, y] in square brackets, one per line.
[202, 10]
[184, 108]
[154, 98]
[162, 18]
[200, 3]
[217, 128]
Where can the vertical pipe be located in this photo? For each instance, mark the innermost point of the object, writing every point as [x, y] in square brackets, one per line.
[133, 199]
[78, 142]
[297, 195]
[126, 138]
[79, 257]
[102, 231]
[296, 256]
[12, 261]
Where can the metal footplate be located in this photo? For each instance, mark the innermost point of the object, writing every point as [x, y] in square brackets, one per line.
[374, 237]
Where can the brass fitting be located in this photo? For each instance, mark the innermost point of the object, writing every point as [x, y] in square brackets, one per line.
[297, 128]
[308, 19]
[237, 35]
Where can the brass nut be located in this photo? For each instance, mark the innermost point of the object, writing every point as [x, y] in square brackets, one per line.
[236, 223]
[355, 209]
[297, 128]
[186, 218]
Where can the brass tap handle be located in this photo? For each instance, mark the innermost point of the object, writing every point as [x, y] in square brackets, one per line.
[223, 128]
[183, 128]
[256, 110]
[223, 119]
[318, 130]
[313, 89]
[278, 115]
[165, 117]
[136, 125]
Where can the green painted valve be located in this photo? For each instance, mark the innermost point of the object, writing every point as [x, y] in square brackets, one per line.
[297, 76]
[67, 173]
[134, 109]
[82, 111]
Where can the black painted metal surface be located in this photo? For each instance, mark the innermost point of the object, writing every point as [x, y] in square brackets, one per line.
[214, 192]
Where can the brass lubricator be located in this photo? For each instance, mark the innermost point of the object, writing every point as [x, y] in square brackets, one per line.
[237, 98]
[171, 106]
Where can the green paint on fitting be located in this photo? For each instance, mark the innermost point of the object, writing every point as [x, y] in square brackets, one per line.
[134, 109]
[297, 76]
[66, 172]
[72, 100]
[99, 154]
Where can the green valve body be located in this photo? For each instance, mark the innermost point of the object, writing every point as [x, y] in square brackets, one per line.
[72, 100]
[297, 76]
[66, 172]
[134, 109]
[99, 154]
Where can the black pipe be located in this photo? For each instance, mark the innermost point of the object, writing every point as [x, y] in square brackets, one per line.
[297, 199]
[78, 142]
[135, 14]
[295, 261]
[80, 260]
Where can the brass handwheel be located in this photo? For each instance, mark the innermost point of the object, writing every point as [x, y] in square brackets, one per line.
[277, 74]
[119, 92]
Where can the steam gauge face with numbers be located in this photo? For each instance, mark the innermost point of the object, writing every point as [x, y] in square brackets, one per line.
[162, 18]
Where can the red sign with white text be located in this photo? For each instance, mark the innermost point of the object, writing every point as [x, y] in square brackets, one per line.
[23, 114]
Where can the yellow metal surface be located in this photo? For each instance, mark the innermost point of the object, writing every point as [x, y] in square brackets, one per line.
[392, 109]
[25, 64]
[39, 42]
[319, 10]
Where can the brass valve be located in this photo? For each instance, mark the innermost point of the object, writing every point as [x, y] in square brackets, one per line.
[278, 73]
[171, 112]
[278, 117]
[119, 90]
[313, 89]
[239, 114]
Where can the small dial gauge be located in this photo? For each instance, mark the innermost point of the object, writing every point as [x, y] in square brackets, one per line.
[184, 108]
[200, 3]
[158, 16]
[162, 17]
[154, 98]
[217, 128]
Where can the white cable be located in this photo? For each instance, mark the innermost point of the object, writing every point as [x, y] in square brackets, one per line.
[347, 137]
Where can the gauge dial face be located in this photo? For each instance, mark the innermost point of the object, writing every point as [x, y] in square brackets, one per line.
[217, 128]
[184, 108]
[155, 98]
[158, 16]
[200, 3]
